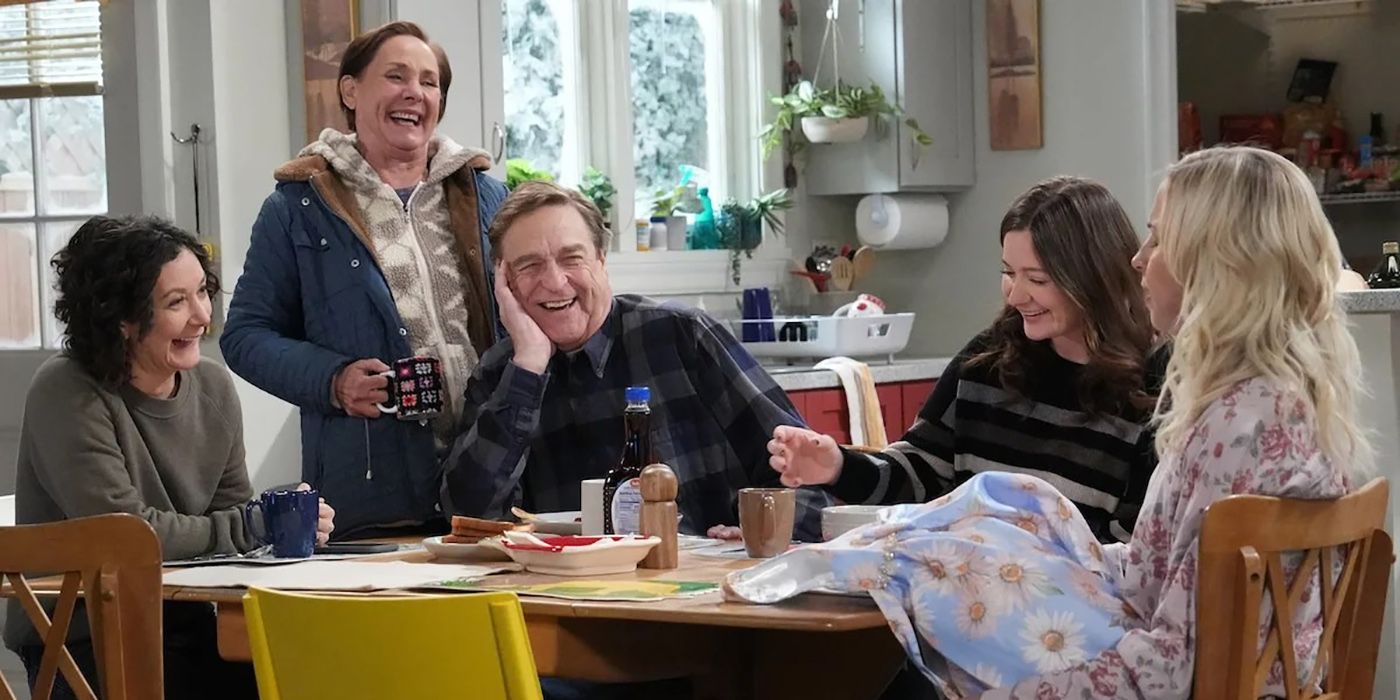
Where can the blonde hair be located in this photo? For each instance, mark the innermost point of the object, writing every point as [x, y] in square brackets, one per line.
[1243, 233]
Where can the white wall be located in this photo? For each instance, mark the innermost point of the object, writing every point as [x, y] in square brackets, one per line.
[248, 46]
[1108, 113]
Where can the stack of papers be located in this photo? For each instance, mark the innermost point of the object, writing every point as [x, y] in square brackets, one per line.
[315, 575]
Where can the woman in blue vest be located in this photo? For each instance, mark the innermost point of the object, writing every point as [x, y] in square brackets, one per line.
[372, 248]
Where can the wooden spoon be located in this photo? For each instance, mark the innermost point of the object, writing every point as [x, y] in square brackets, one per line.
[864, 262]
[842, 274]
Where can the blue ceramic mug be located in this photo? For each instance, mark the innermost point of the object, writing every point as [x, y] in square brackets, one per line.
[289, 521]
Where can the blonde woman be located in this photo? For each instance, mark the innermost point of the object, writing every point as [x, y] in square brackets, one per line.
[999, 590]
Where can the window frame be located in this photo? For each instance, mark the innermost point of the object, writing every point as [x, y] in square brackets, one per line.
[49, 333]
[746, 68]
[40, 219]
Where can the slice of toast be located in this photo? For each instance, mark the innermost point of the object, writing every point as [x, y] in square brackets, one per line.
[464, 525]
[467, 530]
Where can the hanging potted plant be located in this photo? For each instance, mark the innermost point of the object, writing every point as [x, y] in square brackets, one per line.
[840, 114]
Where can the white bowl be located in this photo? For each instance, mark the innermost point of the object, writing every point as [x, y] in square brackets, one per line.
[838, 519]
[564, 555]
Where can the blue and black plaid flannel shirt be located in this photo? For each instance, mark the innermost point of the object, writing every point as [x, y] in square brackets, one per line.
[528, 439]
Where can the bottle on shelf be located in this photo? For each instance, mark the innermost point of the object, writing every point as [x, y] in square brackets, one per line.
[1387, 274]
[656, 233]
[622, 494]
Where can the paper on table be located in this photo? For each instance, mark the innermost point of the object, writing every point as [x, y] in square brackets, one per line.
[265, 559]
[632, 591]
[330, 575]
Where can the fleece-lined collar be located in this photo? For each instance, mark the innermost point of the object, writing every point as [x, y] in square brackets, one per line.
[338, 152]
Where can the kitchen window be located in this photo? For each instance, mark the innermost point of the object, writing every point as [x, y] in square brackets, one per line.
[640, 89]
[53, 170]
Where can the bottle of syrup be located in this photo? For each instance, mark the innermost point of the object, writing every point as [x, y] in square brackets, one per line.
[622, 494]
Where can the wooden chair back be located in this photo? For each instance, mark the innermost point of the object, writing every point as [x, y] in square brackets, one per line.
[1243, 541]
[115, 561]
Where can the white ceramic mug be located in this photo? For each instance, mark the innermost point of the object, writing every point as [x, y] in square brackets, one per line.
[837, 520]
[864, 305]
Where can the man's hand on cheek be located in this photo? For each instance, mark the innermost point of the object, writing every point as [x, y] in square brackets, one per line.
[532, 347]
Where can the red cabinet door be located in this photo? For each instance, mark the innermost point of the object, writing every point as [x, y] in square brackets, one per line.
[892, 409]
[914, 395]
[827, 414]
[799, 401]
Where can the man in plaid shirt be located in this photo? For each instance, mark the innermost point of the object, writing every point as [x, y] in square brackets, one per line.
[544, 406]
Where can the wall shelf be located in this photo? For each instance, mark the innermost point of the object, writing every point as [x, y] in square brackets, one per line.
[1360, 198]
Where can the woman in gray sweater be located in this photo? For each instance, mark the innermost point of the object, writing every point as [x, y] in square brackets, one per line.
[130, 419]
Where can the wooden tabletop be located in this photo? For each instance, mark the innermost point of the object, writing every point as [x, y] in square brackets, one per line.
[809, 612]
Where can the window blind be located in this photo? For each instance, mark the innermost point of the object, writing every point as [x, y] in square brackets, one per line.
[50, 49]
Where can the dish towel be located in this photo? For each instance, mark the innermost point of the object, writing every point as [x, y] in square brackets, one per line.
[867, 420]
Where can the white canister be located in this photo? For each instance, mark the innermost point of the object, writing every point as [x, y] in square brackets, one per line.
[675, 233]
[591, 503]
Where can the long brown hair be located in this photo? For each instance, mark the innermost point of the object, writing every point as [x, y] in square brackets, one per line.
[1086, 244]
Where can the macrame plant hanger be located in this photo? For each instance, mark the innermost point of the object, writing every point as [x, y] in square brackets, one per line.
[831, 36]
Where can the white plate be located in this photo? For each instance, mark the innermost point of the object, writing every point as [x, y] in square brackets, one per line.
[484, 550]
[602, 555]
[569, 522]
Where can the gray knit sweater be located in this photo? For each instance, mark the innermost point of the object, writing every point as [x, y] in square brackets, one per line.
[177, 462]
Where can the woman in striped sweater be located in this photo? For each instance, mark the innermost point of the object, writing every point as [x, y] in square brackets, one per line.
[1060, 387]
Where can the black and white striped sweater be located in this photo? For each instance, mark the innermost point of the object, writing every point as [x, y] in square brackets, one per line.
[970, 424]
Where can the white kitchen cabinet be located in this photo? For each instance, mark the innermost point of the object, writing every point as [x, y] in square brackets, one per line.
[920, 53]
[469, 31]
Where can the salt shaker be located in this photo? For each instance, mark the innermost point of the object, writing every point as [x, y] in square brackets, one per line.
[659, 491]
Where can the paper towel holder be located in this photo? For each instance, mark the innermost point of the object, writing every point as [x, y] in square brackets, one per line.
[879, 216]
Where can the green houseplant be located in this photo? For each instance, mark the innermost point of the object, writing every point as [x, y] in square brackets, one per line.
[833, 115]
[741, 225]
[519, 170]
[599, 188]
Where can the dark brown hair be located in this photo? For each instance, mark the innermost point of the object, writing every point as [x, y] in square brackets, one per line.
[535, 195]
[361, 52]
[1086, 244]
[106, 275]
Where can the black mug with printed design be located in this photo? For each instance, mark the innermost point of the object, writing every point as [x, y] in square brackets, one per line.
[415, 388]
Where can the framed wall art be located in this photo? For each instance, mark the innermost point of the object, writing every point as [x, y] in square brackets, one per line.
[1013, 74]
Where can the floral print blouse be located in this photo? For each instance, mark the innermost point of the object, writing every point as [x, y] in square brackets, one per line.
[1255, 439]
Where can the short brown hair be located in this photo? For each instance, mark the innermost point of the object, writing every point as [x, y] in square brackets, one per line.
[361, 52]
[536, 195]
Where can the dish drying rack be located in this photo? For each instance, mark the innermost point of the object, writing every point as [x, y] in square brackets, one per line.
[825, 336]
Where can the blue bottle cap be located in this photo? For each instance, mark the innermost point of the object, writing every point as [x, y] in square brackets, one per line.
[638, 394]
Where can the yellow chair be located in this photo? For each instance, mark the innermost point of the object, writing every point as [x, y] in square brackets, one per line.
[307, 647]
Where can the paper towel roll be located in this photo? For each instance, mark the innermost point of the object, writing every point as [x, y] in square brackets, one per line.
[902, 221]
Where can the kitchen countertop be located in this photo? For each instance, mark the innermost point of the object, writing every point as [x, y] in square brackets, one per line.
[911, 369]
[1373, 301]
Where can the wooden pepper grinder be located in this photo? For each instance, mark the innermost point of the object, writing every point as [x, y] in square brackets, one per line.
[659, 491]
